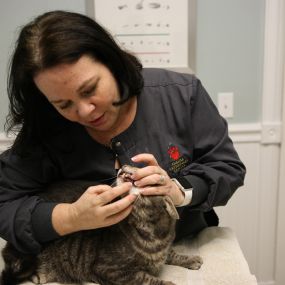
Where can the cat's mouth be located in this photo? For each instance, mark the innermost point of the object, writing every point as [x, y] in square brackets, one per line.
[124, 175]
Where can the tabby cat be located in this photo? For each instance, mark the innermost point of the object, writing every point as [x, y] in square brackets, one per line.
[131, 252]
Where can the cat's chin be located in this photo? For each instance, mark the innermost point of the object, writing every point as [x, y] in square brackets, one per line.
[135, 190]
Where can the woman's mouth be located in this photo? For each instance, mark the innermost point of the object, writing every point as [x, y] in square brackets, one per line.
[99, 121]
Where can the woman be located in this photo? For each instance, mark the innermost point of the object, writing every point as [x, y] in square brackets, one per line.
[84, 107]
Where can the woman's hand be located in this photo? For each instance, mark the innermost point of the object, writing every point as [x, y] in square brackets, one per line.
[155, 180]
[94, 209]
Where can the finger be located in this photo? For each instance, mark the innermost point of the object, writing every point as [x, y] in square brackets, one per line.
[119, 205]
[116, 218]
[98, 189]
[150, 191]
[147, 158]
[154, 179]
[108, 196]
[148, 171]
[156, 190]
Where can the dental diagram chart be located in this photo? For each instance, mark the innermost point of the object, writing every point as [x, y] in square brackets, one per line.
[155, 31]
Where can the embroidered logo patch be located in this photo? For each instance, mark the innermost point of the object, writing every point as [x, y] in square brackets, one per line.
[178, 161]
[173, 152]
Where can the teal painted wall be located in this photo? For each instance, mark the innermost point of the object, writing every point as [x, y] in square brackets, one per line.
[229, 47]
[229, 52]
[14, 14]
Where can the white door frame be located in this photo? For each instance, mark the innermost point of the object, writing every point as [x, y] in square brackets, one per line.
[280, 230]
[273, 125]
[280, 233]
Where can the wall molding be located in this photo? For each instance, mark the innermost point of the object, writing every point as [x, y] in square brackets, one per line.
[263, 133]
[245, 133]
[269, 133]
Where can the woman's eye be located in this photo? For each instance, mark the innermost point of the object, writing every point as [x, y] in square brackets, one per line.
[89, 91]
[65, 106]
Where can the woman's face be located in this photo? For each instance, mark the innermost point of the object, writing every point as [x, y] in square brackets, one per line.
[82, 92]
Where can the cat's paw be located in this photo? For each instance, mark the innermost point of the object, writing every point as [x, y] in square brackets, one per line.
[195, 262]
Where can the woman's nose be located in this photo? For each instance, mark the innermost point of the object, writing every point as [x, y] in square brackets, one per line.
[84, 109]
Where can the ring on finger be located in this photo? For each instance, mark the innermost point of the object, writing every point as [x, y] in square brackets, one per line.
[161, 180]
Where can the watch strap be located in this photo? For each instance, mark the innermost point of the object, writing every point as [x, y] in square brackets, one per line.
[188, 192]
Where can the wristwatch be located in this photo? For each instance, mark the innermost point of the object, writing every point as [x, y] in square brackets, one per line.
[185, 186]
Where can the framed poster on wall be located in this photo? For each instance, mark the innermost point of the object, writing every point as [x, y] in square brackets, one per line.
[157, 32]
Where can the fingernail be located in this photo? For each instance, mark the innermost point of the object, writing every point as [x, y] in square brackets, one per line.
[134, 158]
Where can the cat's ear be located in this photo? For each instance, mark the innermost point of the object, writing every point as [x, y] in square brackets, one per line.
[170, 208]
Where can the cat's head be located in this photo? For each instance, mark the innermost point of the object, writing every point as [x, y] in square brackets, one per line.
[146, 205]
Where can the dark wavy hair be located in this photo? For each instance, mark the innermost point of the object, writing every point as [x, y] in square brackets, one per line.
[50, 39]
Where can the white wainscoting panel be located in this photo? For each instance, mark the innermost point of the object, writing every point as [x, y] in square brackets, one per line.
[269, 182]
[241, 212]
[252, 211]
